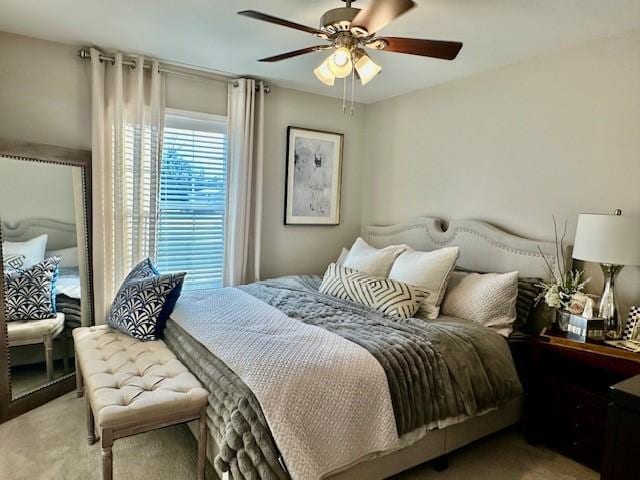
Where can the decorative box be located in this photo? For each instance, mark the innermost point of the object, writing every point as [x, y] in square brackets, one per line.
[631, 330]
[582, 329]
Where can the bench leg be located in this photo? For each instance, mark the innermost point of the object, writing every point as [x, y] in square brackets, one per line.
[91, 424]
[48, 354]
[79, 380]
[202, 444]
[65, 352]
[107, 454]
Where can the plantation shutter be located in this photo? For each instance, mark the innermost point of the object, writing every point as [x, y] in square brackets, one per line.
[192, 198]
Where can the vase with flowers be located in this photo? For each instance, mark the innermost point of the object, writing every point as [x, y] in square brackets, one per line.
[565, 291]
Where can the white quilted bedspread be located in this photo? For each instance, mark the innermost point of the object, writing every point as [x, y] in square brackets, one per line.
[326, 399]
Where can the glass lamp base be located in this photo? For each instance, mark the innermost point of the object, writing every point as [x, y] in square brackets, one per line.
[608, 307]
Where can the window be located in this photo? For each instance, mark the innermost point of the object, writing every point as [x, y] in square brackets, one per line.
[192, 198]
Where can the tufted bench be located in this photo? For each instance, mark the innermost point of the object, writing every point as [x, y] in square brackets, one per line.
[133, 387]
[30, 332]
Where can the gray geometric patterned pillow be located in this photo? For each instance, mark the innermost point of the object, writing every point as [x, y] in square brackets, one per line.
[31, 294]
[139, 304]
[391, 297]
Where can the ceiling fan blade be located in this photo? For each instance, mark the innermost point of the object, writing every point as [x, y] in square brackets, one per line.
[295, 53]
[426, 48]
[380, 13]
[281, 21]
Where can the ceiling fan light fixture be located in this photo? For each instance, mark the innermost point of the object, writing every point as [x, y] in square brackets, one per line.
[339, 62]
[367, 69]
[324, 74]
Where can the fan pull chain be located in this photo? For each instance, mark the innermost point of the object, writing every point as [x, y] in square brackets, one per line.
[353, 89]
[344, 96]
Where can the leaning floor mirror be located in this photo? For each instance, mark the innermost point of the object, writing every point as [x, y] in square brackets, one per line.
[46, 260]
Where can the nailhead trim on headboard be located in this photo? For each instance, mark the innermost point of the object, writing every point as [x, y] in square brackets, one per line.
[390, 231]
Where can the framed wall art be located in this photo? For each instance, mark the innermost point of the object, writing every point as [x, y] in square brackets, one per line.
[313, 178]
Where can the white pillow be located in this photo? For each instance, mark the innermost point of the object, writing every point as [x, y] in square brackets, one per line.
[342, 257]
[428, 271]
[68, 256]
[374, 261]
[485, 298]
[32, 250]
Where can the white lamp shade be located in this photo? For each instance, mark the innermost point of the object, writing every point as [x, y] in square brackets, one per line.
[367, 69]
[324, 74]
[611, 239]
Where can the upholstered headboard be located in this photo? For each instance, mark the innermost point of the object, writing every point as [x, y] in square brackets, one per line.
[61, 234]
[483, 247]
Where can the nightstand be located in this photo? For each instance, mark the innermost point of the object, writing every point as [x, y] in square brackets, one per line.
[566, 406]
[623, 432]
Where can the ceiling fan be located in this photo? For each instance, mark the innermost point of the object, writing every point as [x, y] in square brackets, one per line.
[349, 31]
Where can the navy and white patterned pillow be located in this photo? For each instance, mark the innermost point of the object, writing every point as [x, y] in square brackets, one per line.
[143, 269]
[30, 294]
[145, 301]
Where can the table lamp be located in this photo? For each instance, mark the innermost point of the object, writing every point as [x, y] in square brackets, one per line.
[612, 241]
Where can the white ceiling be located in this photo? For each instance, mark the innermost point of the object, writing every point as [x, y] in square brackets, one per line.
[208, 33]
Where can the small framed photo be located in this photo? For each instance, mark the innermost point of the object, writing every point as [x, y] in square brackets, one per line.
[632, 327]
[313, 178]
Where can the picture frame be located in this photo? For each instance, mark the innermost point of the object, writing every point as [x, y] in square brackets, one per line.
[632, 327]
[313, 178]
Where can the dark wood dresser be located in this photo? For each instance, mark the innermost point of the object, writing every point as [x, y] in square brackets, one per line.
[566, 406]
[622, 450]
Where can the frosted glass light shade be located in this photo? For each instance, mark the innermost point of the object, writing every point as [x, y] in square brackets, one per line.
[611, 239]
[324, 74]
[339, 63]
[367, 69]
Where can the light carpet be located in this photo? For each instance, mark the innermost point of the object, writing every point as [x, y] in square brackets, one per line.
[50, 443]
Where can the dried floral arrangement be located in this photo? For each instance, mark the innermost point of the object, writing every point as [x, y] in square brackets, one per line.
[565, 290]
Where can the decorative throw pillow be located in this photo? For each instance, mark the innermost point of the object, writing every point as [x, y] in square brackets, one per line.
[32, 250]
[395, 299]
[428, 271]
[146, 269]
[528, 290]
[69, 257]
[143, 269]
[342, 257]
[30, 294]
[11, 263]
[374, 261]
[485, 298]
[145, 301]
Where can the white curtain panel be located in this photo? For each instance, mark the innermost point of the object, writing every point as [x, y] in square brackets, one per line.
[127, 124]
[244, 187]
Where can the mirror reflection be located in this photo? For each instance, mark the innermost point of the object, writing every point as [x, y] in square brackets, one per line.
[42, 219]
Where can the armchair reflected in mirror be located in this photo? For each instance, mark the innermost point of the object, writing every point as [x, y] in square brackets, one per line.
[46, 281]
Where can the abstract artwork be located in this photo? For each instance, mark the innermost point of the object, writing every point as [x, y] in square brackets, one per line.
[314, 163]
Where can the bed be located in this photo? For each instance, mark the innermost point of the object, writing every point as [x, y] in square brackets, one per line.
[445, 385]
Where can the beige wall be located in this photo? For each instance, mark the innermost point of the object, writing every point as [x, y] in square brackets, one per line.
[45, 97]
[308, 249]
[557, 135]
[45, 93]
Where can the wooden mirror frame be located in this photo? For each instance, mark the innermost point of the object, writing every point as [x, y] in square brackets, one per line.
[34, 152]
